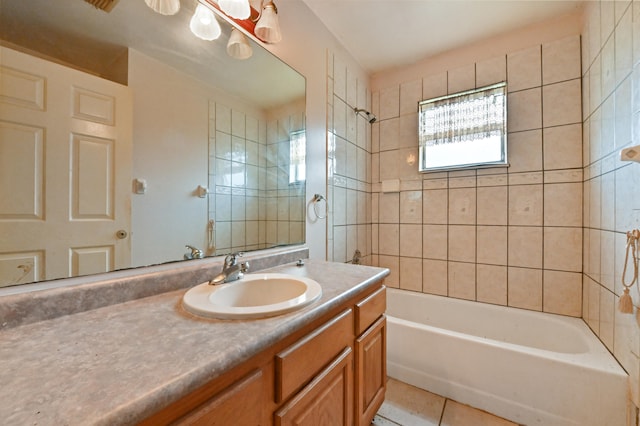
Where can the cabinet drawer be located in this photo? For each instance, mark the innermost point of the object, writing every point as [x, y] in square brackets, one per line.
[296, 365]
[240, 403]
[370, 309]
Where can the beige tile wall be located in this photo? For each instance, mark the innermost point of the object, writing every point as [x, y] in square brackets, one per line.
[611, 113]
[509, 236]
[348, 165]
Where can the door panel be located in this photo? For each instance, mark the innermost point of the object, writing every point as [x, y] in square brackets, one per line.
[92, 173]
[90, 260]
[22, 172]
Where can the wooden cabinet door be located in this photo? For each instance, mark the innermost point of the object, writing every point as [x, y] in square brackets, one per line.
[371, 371]
[326, 401]
[242, 403]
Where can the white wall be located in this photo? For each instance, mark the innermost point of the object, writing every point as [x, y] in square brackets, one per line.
[170, 138]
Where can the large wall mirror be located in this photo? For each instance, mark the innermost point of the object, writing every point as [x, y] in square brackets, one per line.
[124, 138]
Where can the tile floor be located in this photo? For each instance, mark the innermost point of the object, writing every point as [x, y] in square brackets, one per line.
[406, 405]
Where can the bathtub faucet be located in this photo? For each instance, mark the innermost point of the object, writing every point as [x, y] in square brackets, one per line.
[231, 270]
[196, 253]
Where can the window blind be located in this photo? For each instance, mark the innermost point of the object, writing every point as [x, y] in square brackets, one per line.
[464, 130]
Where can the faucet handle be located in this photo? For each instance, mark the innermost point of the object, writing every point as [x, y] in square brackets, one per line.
[232, 258]
[196, 253]
[244, 266]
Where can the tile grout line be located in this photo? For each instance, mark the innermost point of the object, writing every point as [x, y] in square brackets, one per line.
[444, 407]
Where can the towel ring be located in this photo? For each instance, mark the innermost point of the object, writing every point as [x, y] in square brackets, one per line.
[316, 200]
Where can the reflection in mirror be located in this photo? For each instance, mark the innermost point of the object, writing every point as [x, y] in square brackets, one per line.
[258, 179]
[168, 141]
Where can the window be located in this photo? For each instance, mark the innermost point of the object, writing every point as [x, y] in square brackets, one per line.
[297, 155]
[467, 129]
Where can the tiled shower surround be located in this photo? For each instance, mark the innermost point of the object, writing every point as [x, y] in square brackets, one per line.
[610, 110]
[348, 165]
[510, 236]
[548, 232]
[251, 199]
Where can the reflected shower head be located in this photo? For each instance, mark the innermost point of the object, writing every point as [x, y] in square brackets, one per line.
[366, 114]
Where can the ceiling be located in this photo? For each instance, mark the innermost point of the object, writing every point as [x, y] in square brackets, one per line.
[384, 34]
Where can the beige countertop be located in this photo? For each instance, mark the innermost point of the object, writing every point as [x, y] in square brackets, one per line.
[119, 364]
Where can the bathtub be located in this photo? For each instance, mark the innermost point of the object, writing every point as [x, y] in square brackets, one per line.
[529, 367]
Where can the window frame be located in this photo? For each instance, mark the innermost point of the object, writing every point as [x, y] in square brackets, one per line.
[502, 162]
[299, 174]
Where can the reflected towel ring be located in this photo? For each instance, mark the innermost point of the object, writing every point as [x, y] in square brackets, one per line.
[316, 200]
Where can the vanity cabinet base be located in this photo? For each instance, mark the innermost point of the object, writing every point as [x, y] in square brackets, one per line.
[331, 372]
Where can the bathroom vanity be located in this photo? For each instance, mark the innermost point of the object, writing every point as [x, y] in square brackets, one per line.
[331, 371]
[149, 361]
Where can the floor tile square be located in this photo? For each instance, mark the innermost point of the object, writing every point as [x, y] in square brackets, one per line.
[456, 414]
[411, 406]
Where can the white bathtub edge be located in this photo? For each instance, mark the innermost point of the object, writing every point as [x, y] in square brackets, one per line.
[528, 384]
[507, 409]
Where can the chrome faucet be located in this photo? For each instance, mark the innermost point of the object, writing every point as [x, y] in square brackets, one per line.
[196, 253]
[231, 270]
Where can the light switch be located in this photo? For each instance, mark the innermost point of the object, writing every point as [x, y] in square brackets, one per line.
[139, 186]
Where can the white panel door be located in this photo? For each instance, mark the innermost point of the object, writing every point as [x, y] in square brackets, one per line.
[65, 171]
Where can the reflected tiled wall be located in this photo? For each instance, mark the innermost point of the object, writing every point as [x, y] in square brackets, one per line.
[349, 165]
[237, 179]
[611, 113]
[508, 236]
[252, 201]
[285, 200]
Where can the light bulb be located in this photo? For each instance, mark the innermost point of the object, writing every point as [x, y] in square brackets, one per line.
[268, 28]
[238, 46]
[239, 9]
[204, 18]
[204, 24]
[164, 7]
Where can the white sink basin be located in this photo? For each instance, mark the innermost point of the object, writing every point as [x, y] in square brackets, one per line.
[253, 296]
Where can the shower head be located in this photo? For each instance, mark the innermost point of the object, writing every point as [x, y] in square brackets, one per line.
[366, 114]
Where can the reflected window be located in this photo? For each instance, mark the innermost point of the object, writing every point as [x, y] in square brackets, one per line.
[297, 156]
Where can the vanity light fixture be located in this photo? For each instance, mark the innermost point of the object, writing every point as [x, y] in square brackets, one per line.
[164, 7]
[204, 23]
[261, 23]
[106, 5]
[268, 28]
[239, 9]
[238, 46]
